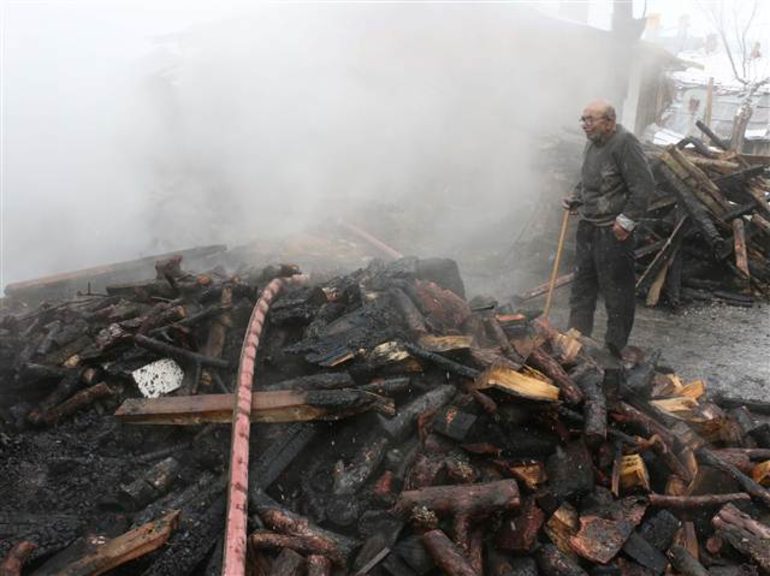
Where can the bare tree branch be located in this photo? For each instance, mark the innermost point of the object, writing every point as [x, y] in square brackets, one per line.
[721, 27]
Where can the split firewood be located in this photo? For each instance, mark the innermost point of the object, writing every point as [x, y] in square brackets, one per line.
[446, 555]
[542, 360]
[761, 473]
[531, 474]
[562, 525]
[125, 548]
[566, 346]
[633, 473]
[517, 384]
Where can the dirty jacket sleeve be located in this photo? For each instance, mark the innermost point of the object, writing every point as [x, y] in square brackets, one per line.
[638, 177]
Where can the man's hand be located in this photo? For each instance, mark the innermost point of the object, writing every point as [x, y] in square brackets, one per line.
[620, 233]
[570, 204]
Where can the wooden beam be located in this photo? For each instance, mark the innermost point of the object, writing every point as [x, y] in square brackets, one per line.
[273, 406]
[124, 548]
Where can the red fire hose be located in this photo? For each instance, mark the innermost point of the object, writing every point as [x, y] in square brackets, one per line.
[234, 561]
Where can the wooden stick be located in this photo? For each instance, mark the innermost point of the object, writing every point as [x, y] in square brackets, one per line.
[179, 353]
[562, 280]
[559, 248]
[683, 502]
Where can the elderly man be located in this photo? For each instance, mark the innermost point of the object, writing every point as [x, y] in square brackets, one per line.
[612, 196]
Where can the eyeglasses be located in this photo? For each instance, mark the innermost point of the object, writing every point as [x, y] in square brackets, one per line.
[591, 119]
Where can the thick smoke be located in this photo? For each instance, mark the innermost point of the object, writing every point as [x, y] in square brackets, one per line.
[422, 117]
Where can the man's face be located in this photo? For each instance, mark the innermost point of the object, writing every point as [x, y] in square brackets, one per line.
[595, 123]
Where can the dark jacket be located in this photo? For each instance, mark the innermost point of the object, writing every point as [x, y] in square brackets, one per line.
[616, 179]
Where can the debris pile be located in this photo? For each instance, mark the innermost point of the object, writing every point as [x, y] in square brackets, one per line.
[706, 235]
[398, 430]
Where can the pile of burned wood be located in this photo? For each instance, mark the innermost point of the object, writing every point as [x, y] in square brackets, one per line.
[705, 237]
[707, 234]
[398, 431]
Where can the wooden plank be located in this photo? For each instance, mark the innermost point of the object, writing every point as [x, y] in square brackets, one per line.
[653, 294]
[272, 406]
[125, 548]
[739, 242]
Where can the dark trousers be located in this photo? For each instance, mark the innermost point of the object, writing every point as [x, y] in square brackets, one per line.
[603, 265]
